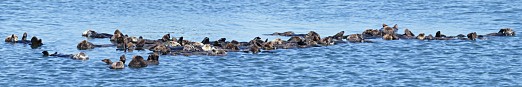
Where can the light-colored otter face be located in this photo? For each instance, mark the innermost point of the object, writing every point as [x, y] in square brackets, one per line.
[81, 56]
[134, 39]
[207, 47]
[118, 65]
[219, 52]
[199, 44]
[507, 32]
[174, 44]
[388, 37]
[9, 39]
[188, 48]
[14, 38]
[421, 36]
[88, 33]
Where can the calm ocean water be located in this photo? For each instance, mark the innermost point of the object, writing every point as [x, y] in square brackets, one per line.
[492, 62]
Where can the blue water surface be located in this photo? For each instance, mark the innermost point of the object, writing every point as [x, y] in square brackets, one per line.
[492, 62]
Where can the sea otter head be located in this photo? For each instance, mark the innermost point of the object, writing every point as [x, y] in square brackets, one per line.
[85, 45]
[24, 36]
[207, 47]
[123, 59]
[390, 37]
[88, 33]
[81, 56]
[107, 61]
[166, 38]
[506, 32]
[355, 38]
[421, 36]
[472, 36]
[35, 42]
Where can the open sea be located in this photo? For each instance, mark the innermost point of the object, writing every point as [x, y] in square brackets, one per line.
[496, 61]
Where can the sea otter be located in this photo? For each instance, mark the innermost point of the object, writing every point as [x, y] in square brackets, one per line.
[232, 46]
[295, 39]
[153, 59]
[371, 33]
[355, 38]
[207, 47]
[407, 34]
[268, 46]
[35, 42]
[218, 52]
[123, 59]
[117, 34]
[313, 36]
[114, 65]
[79, 56]
[24, 38]
[206, 40]
[12, 38]
[94, 34]
[390, 37]
[421, 36]
[503, 32]
[389, 30]
[254, 49]
[160, 48]
[472, 36]
[328, 41]
[84, 45]
[165, 38]
[338, 36]
[288, 33]
[137, 62]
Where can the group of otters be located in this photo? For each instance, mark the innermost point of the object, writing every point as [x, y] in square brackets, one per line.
[178, 46]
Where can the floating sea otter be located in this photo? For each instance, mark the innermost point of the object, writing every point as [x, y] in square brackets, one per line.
[94, 34]
[79, 56]
[34, 42]
[114, 65]
[503, 32]
[153, 59]
[137, 62]
[85, 45]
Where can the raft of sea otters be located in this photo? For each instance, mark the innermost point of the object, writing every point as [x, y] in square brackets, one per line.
[178, 46]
